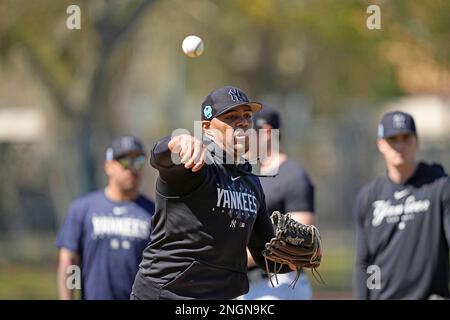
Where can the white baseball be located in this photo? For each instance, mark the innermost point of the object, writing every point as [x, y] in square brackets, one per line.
[192, 46]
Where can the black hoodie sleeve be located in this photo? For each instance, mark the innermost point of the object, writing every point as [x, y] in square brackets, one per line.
[174, 179]
[360, 290]
[446, 209]
[261, 234]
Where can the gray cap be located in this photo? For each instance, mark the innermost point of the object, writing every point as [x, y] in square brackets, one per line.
[124, 145]
[395, 123]
[267, 115]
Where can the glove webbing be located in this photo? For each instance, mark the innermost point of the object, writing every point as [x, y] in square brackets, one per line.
[283, 222]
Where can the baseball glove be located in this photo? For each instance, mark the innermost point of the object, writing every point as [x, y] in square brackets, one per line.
[295, 244]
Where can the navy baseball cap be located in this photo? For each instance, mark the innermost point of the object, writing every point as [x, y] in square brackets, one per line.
[396, 122]
[267, 115]
[224, 99]
[124, 145]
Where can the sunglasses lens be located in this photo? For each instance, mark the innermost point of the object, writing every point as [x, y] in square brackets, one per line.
[132, 162]
[139, 162]
[125, 162]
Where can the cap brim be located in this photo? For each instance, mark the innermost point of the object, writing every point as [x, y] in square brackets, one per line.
[398, 132]
[255, 106]
[127, 152]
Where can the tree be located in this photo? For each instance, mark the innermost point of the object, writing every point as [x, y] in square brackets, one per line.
[75, 67]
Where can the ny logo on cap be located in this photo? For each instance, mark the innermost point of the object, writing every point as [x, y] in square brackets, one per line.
[399, 121]
[127, 142]
[237, 95]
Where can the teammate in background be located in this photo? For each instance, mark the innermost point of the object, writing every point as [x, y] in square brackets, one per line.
[291, 191]
[207, 209]
[403, 221]
[106, 231]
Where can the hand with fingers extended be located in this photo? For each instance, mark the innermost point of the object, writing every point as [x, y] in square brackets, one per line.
[191, 150]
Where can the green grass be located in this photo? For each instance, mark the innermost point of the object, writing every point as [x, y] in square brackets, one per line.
[30, 282]
[27, 282]
[33, 279]
[336, 271]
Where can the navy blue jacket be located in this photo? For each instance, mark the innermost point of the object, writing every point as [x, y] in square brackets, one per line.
[403, 237]
[201, 228]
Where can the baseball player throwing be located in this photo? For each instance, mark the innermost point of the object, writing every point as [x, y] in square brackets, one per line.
[206, 213]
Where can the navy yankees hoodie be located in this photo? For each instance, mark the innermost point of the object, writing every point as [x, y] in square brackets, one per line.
[403, 237]
[200, 230]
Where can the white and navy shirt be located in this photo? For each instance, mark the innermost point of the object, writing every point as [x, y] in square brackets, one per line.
[109, 236]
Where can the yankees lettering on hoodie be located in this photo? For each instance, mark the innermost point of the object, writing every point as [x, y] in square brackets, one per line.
[201, 228]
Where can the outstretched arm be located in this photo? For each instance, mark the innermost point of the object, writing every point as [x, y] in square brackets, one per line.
[179, 152]
[179, 161]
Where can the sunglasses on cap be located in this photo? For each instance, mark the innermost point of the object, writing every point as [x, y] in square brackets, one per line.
[132, 162]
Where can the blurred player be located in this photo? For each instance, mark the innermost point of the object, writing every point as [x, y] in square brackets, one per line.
[403, 221]
[209, 206]
[290, 191]
[106, 231]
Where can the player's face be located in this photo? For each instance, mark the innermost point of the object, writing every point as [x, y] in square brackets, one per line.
[399, 150]
[126, 171]
[230, 129]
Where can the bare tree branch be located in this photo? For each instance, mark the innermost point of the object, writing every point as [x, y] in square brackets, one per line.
[47, 78]
[111, 35]
[112, 30]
